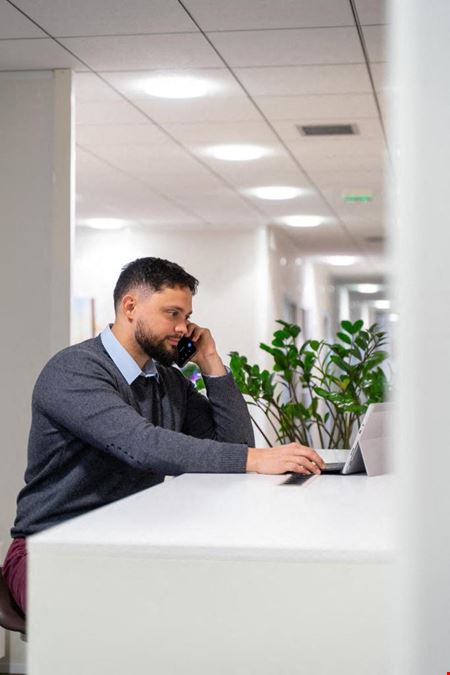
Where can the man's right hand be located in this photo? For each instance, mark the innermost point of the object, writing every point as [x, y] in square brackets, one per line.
[293, 458]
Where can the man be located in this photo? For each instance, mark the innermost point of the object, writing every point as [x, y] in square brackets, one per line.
[112, 416]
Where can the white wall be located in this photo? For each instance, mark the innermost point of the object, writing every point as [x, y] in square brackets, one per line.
[34, 268]
[232, 269]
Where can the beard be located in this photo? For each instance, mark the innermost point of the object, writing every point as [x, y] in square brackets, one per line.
[154, 347]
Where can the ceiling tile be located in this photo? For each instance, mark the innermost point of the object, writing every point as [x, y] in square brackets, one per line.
[309, 203]
[143, 52]
[381, 73]
[112, 112]
[289, 47]
[372, 11]
[89, 88]
[103, 190]
[221, 206]
[34, 54]
[293, 80]
[215, 133]
[277, 169]
[349, 181]
[93, 135]
[319, 107]
[375, 37]
[200, 110]
[254, 14]
[108, 17]
[343, 146]
[13, 24]
[323, 240]
[337, 163]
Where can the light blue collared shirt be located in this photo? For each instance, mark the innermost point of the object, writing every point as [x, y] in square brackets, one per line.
[125, 363]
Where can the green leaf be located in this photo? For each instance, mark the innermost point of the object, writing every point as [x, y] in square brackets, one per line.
[347, 326]
[354, 351]
[357, 326]
[341, 363]
[344, 338]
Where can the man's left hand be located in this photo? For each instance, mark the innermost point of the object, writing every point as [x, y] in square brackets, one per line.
[206, 356]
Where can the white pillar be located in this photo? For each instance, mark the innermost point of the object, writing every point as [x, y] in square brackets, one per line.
[421, 52]
[35, 243]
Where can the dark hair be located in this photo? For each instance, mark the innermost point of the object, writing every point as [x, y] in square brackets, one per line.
[154, 273]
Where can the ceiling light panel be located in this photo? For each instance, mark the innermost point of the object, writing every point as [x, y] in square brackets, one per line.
[177, 86]
[340, 260]
[302, 221]
[215, 81]
[105, 223]
[276, 192]
[367, 288]
[237, 152]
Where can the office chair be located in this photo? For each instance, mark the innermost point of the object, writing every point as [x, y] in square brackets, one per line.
[11, 616]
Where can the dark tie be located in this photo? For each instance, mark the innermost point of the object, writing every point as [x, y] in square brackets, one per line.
[148, 393]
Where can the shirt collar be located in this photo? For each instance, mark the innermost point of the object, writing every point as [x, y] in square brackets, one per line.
[123, 360]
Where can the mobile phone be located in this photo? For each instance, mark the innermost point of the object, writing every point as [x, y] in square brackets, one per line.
[186, 349]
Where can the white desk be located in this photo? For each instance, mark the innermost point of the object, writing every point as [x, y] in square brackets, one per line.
[218, 575]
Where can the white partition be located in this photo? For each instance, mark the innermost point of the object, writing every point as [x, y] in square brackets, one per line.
[421, 57]
[35, 246]
[223, 574]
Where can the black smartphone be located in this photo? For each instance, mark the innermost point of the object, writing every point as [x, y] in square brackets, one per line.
[186, 349]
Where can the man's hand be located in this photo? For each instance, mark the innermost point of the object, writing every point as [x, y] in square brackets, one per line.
[206, 356]
[283, 458]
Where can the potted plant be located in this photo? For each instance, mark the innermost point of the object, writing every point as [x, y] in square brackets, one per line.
[316, 391]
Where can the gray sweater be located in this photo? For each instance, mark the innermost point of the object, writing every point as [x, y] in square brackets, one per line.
[90, 444]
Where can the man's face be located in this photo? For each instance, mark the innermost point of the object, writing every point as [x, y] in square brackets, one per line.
[161, 321]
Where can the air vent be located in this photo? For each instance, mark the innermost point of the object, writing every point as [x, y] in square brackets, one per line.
[376, 239]
[327, 129]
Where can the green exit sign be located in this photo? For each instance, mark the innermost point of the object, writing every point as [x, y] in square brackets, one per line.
[357, 198]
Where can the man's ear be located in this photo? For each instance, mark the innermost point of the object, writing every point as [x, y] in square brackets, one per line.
[128, 305]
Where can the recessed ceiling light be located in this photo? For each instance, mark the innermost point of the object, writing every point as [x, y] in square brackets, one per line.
[276, 192]
[105, 223]
[368, 288]
[301, 221]
[339, 260]
[177, 86]
[382, 304]
[237, 153]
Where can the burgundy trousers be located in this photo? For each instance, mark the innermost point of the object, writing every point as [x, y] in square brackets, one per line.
[14, 572]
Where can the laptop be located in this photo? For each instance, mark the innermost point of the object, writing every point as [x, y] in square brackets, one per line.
[368, 452]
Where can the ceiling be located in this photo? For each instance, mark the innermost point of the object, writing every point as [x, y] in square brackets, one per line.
[275, 64]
